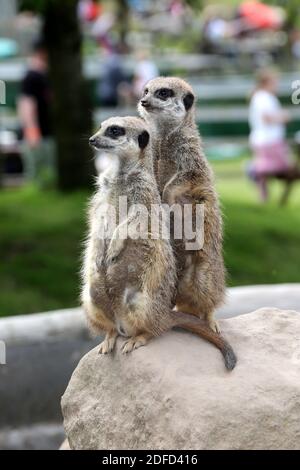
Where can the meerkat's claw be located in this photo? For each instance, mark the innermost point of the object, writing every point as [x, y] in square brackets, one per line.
[134, 343]
[106, 347]
[108, 344]
[213, 324]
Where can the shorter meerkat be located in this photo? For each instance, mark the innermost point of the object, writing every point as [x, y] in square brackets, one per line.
[129, 285]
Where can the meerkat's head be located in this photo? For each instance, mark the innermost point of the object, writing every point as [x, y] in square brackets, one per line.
[166, 100]
[125, 137]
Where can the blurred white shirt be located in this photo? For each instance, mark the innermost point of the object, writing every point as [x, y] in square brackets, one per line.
[144, 71]
[263, 133]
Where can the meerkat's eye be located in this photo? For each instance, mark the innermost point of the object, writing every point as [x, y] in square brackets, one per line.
[164, 93]
[115, 131]
[146, 91]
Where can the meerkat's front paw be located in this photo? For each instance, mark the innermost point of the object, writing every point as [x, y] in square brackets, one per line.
[134, 343]
[108, 343]
[115, 247]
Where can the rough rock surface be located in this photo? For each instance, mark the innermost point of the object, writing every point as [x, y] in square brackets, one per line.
[175, 393]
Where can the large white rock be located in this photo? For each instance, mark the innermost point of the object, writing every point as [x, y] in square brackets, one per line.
[175, 393]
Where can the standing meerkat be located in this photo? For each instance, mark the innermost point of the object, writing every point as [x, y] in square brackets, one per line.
[129, 284]
[184, 176]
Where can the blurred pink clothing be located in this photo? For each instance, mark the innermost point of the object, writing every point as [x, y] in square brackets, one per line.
[271, 158]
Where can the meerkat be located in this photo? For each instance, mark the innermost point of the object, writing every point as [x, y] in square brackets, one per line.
[184, 176]
[129, 284]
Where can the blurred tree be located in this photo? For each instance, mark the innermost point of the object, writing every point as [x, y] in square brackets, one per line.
[292, 8]
[72, 116]
[123, 20]
[196, 4]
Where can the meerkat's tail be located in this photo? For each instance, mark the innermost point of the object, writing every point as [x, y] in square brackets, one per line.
[199, 327]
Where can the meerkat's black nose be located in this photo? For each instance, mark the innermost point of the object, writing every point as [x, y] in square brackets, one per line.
[144, 103]
[92, 140]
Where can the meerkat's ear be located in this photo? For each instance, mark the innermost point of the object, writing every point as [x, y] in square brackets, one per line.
[188, 101]
[143, 139]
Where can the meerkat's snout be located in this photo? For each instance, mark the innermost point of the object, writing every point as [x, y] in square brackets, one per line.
[93, 141]
[108, 137]
[145, 103]
[97, 143]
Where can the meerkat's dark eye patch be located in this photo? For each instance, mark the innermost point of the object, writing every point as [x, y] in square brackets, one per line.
[146, 91]
[188, 101]
[164, 93]
[143, 139]
[114, 132]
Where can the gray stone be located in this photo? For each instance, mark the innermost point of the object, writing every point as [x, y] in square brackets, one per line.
[65, 445]
[175, 393]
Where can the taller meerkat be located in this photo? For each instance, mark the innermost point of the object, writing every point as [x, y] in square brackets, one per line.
[184, 176]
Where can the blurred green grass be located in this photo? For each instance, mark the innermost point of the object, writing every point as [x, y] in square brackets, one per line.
[42, 233]
[262, 241]
[40, 245]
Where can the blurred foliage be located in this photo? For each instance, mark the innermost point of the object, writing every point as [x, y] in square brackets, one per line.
[292, 9]
[196, 4]
[41, 235]
[38, 6]
[182, 44]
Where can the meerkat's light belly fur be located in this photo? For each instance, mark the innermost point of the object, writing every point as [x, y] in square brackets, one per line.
[124, 298]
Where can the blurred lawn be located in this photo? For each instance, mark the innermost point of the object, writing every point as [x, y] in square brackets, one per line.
[40, 248]
[41, 241]
[262, 242]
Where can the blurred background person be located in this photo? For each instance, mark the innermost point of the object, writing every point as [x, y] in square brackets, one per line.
[34, 115]
[89, 10]
[113, 75]
[144, 71]
[114, 89]
[101, 29]
[267, 122]
[295, 44]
